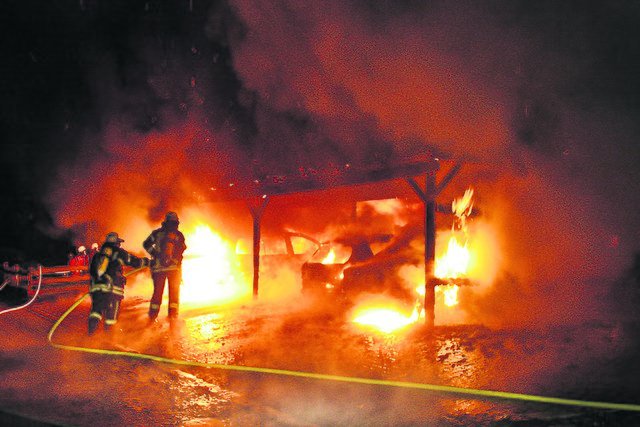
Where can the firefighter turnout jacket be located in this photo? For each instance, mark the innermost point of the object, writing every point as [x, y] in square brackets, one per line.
[166, 246]
[106, 269]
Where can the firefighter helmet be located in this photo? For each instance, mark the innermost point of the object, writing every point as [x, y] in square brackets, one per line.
[113, 238]
[171, 217]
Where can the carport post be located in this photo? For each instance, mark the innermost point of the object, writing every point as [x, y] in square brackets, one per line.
[428, 197]
[257, 206]
[430, 249]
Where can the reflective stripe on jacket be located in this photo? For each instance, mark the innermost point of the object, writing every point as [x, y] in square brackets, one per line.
[106, 269]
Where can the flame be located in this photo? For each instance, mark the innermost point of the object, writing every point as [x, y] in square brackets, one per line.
[463, 206]
[450, 293]
[454, 262]
[378, 313]
[208, 270]
[330, 258]
[467, 251]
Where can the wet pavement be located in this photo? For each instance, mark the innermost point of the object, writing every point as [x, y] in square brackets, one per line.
[187, 385]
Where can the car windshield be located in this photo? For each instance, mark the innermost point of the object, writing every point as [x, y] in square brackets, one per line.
[302, 245]
[352, 249]
[284, 244]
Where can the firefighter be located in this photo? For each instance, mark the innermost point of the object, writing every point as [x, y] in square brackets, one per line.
[166, 246]
[108, 281]
[81, 257]
[94, 250]
[80, 260]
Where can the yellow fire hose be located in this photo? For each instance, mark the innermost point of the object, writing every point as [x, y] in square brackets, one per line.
[326, 377]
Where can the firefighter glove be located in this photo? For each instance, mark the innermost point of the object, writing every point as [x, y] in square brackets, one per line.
[145, 262]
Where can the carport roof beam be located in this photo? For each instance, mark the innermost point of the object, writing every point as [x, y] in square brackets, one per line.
[316, 180]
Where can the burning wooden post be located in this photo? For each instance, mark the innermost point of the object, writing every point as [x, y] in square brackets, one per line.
[428, 197]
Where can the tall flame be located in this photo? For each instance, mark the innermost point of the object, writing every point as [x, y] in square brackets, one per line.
[330, 258]
[463, 206]
[454, 262]
[209, 270]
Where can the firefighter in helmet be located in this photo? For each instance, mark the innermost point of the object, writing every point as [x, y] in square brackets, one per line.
[94, 250]
[80, 260]
[166, 246]
[108, 281]
[81, 257]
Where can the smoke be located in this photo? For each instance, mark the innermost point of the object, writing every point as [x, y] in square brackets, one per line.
[518, 91]
[154, 149]
[367, 81]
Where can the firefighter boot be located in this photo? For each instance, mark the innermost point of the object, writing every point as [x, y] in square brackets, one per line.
[109, 326]
[154, 309]
[173, 310]
[93, 324]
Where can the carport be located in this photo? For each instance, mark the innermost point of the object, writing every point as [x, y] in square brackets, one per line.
[258, 193]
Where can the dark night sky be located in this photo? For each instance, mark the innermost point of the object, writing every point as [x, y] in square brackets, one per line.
[151, 101]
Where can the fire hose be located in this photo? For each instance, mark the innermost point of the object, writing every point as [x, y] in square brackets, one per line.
[325, 377]
[28, 303]
[340, 378]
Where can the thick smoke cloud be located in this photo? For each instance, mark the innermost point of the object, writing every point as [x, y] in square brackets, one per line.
[539, 98]
[366, 79]
[518, 88]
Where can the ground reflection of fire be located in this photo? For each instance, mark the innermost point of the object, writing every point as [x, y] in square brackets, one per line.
[384, 319]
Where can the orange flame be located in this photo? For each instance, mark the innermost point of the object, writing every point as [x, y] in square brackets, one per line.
[208, 270]
[330, 258]
[463, 206]
[450, 294]
[454, 262]
[383, 319]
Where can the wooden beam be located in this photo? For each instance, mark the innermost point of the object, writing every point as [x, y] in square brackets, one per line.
[309, 179]
[448, 177]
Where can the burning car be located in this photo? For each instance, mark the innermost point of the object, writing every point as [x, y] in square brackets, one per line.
[355, 264]
[283, 246]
